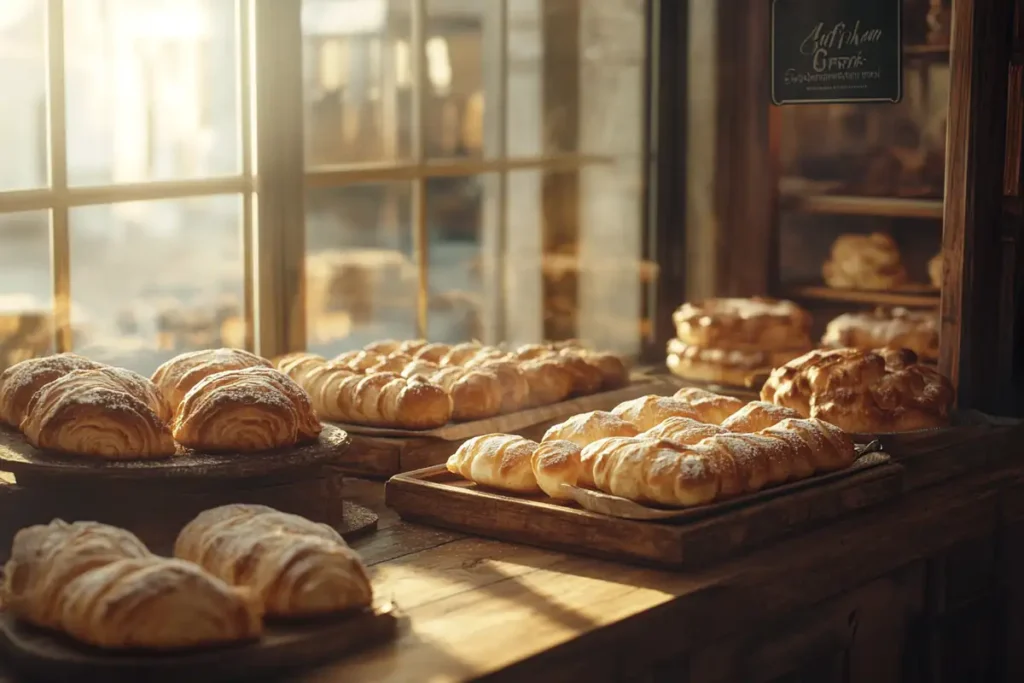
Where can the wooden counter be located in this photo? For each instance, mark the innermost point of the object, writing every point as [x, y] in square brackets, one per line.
[911, 592]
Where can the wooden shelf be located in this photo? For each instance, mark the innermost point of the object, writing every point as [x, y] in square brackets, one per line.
[913, 297]
[892, 207]
[938, 54]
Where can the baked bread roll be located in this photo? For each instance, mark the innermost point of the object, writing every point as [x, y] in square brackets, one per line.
[586, 428]
[396, 362]
[683, 431]
[20, 382]
[411, 346]
[296, 365]
[614, 372]
[178, 375]
[555, 463]
[292, 565]
[586, 378]
[515, 389]
[865, 262]
[534, 351]
[460, 353]
[758, 415]
[894, 328]
[361, 361]
[476, 392]
[238, 411]
[382, 399]
[432, 352]
[101, 586]
[486, 355]
[501, 461]
[754, 324]
[423, 369]
[711, 407]
[89, 413]
[650, 471]
[647, 411]
[936, 266]
[867, 392]
[384, 346]
[549, 380]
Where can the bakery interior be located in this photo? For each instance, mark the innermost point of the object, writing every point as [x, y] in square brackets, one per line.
[506, 340]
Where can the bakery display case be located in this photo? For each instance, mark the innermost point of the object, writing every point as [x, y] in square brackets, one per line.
[453, 339]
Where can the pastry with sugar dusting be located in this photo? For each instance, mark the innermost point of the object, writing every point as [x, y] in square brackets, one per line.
[20, 382]
[90, 413]
[178, 375]
[245, 410]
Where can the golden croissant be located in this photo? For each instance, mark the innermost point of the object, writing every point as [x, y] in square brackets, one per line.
[88, 412]
[178, 375]
[101, 586]
[295, 567]
[20, 382]
[251, 409]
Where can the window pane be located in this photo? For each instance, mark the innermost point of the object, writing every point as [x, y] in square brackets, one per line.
[152, 90]
[463, 230]
[23, 84]
[150, 280]
[357, 80]
[360, 272]
[25, 287]
[459, 37]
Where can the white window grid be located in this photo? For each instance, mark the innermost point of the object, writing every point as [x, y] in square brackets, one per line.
[273, 178]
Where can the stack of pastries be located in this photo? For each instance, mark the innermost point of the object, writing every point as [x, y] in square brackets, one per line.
[891, 328]
[863, 391]
[726, 341]
[690, 449]
[421, 385]
[100, 584]
[219, 400]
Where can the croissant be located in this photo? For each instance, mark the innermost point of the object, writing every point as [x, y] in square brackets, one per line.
[711, 407]
[558, 462]
[501, 461]
[383, 399]
[384, 346]
[476, 392]
[515, 389]
[682, 431]
[20, 382]
[658, 471]
[586, 428]
[648, 411]
[181, 373]
[253, 409]
[88, 412]
[292, 565]
[101, 586]
[141, 388]
[758, 415]
[361, 361]
[549, 380]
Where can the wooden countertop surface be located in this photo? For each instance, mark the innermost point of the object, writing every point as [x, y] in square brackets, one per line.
[485, 609]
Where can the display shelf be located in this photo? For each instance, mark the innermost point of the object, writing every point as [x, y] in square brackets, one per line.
[915, 296]
[891, 207]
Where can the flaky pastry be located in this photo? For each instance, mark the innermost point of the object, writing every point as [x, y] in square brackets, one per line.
[252, 409]
[727, 367]
[181, 373]
[89, 413]
[861, 391]
[502, 461]
[864, 262]
[647, 411]
[711, 407]
[754, 324]
[586, 428]
[20, 382]
[893, 328]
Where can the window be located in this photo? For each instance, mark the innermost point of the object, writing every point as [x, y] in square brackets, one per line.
[183, 174]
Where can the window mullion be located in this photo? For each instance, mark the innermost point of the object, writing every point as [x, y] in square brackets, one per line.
[421, 245]
[246, 75]
[60, 239]
[280, 210]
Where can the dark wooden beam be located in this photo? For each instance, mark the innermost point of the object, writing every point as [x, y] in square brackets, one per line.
[972, 238]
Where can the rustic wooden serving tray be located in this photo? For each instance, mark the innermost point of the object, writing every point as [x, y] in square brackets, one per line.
[691, 537]
[27, 462]
[285, 646]
[381, 453]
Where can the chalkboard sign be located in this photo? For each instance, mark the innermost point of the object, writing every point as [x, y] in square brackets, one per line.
[836, 51]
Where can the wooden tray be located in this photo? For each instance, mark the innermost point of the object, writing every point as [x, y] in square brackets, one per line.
[693, 537]
[26, 462]
[965, 427]
[47, 656]
[381, 453]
